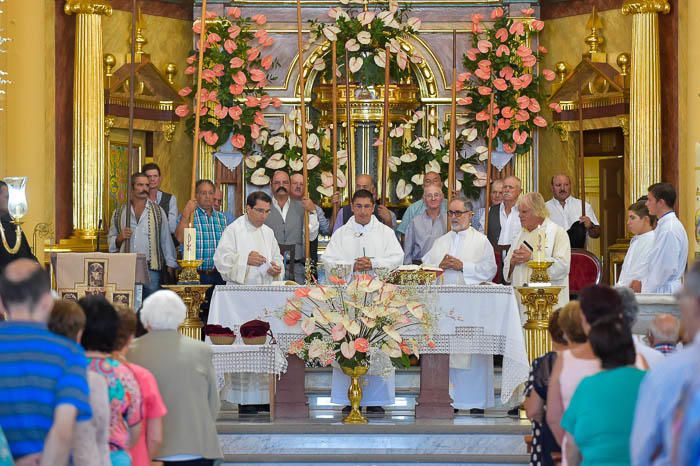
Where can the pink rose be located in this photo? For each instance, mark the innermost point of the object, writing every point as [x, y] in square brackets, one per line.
[230, 46]
[539, 121]
[362, 345]
[477, 28]
[238, 141]
[253, 53]
[259, 19]
[266, 62]
[236, 62]
[464, 76]
[182, 111]
[497, 13]
[235, 114]
[233, 12]
[260, 33]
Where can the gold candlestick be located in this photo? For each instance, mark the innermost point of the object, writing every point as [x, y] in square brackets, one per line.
[539, 275]
[188, 274]
[193, 296]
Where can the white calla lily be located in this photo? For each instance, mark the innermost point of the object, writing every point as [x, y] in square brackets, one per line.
[355, 64]
[312, 142]
[409, 157]
[403, 189]
[417, 179]
[352, 45]
[380, 59]
[468, 168]
[259, 178]
[364, 37]
[296, 165]
[366, 17]
[331, 33]
[325, 191]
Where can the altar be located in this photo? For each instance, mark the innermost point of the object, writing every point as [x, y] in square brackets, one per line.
[472, 319]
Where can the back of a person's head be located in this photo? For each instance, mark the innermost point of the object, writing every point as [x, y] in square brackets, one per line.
[611, 341]
[67, 318]
[101, 324]
[163, 310]
[127, 325]
[689, 302]
[571, 323]
[555, 331]
[665, 328]
[598, 301]
[25, 286]
[630, 308]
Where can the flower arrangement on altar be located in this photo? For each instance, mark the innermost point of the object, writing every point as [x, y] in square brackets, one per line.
[235, 71]
[344, 324]
[365, 34]
[501, 63]
[281, 150]
[422, 155]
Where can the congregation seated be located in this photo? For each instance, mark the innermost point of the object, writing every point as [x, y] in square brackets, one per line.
[664, 333]
[543, 442]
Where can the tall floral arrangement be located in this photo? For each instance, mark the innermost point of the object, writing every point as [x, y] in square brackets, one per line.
[235, 71]
[421, 155]
[501, 63]
[344, 324]
[365, 34]
[281, 150]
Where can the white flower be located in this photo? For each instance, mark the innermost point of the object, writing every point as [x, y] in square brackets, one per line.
[483, 152]
[252, 161]
[326, 191]
[352, 45]
[470, 133]
[340, 178]
[462, 120]
[393, 6]
[331, 33]
[312, 161]
[276, 162]
[458, 185]
[312, 142]
[327, 179]
[394, 46]
[390, 348]
[418, 142]
[394, 162]
[364, 37]
[338, 12]
[355, 64]
[417, 115]
[366, 17]
[468, 168]
[396, 132]
[434, 144]
[446, 158]
[417, 179]
[416, 59]
[344, 2]
[403, 189]
[387, 17]
[380, 59]
[277, 142]
[402, 59]
[294, 140]
[480, 180]
[409, 157]
[259, 178]
[316, 348]
[295, 114]
[342, 157]
[296, 165]
[414, 23]
[262, 139]
[432, 166]
[319, 64]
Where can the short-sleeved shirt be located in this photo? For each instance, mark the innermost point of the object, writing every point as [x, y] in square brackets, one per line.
[153, 407]
[124, 400]
[600, 415]
[39, 370]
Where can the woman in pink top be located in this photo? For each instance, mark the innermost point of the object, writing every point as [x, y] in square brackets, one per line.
[153, 408]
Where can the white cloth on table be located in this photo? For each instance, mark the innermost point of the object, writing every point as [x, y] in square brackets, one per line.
[558, 250]
[471, 375]
[569, 213]
[237, 242]
[669, 256]
[247, 389]
[636, 263]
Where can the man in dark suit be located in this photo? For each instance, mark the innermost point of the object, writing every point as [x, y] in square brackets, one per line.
[504, 223]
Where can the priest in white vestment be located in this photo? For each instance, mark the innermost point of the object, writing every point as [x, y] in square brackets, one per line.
[669, 256]
[467, 257]
[366, 244]
[635, 267]
[539, 232]
[248, 254]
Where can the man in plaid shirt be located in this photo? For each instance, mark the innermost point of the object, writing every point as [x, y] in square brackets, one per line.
[210, 225]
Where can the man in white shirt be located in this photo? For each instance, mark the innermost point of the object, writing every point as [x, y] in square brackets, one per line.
[426, 227]
[504, 223]
[467, 257]
[366, 244]
[565, 210]
[248, 254]
[669, 254]
[496, 194]
[539, 232]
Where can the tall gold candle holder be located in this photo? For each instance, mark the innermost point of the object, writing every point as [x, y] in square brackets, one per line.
[193, 296]
[188, 274]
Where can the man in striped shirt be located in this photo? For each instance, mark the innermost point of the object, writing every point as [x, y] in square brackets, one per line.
[43, 381]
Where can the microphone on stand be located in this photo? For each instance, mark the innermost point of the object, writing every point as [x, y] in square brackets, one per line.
[99, 229]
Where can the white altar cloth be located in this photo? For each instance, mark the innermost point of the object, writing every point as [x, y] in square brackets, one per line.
[251, 359]
[471, 319]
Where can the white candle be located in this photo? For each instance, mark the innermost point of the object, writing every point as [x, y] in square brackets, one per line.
[540, 245]
[190, 245]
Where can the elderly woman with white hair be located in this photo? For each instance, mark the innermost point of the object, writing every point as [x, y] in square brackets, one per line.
[185, 374]
[540, 238]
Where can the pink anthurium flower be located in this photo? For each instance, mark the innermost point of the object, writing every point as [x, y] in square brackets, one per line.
[519, 137]
[507, 112]
[530, 61]
[548, 74]
[182, 110]
[508, 148]
[555, 106]
[240, 78]
[236, 62]
[522, 115]
[525, 80]
[265, 101]
[210, 138]
[492, 132]
[503, 124]
[291, 317]
[251, 101]
[259, 118]
[254, 131]
[506, 73]
[464, 101]
[484, 46]
[539, 121]
[523, 101]
[482, 116]
[253, 53]
[362, 345]
[185, 91]
[233, 12]
[500, 84]
[523, 51]
[537, 25]
[238, 141]
[235, 89]
[256, 74]
[267, 62]
[259, 19]
[517, 28]
[485, 75]
[230, 46]
[221, 112]
[471, 54]
[502, 34]
[338, 332]
[233, 31]
[534, 106]
[213, 38]
[502, 50]
[484, 90]
[497, 13]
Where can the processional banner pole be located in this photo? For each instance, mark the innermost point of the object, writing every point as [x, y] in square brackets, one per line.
[132, 92]
[302, 120]
[350, 178]
[385, 125]
[198, 106]
[334, 128]
[490, 134]
[581, 166]
[452, 165]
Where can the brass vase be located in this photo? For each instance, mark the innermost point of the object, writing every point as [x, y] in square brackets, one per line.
[355, 394]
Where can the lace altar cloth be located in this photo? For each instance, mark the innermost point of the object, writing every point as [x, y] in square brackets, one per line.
[255, 359]
[472, 319]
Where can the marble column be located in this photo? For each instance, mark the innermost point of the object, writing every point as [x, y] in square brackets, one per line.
[645, 95]
[88, 116]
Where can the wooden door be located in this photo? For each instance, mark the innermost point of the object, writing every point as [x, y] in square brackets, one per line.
[612, 205]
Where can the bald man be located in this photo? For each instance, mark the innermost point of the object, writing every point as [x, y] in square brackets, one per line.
[382, 213]
[565, 210]
[664, 333]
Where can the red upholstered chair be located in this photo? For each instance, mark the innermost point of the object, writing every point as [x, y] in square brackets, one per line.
[585, 270]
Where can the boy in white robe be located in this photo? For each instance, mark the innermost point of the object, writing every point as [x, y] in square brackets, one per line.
[248, 254]
[467, 257]
[367, 244]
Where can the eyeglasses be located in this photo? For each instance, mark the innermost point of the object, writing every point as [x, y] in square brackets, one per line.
[432, 196]
[458, 213]
[261, 211]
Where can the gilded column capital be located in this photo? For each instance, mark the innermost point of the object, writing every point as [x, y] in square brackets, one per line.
[635, 7]
[88, 7]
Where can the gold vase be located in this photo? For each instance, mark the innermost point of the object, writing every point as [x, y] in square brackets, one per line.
[355, 394]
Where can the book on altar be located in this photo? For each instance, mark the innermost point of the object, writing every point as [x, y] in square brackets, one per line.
[411, 274]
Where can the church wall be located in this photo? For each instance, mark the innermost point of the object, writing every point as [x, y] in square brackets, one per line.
[26, 130]
[169, 41]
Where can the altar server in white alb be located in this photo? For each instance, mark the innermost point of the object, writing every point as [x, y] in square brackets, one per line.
[565, 210]
[669, 255]
[539, 237]
[467, 257]
[635, 267]
[248, 254]
[366, 243]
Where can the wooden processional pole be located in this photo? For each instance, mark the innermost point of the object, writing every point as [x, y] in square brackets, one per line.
[385, 125]
[302, 119]
[350, 178]
[452, 165]
[490, 135]
[582, 178]
[334, 129]
[132, 92]
[198, 106]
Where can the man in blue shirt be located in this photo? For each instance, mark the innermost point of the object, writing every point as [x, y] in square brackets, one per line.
[43, 380]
